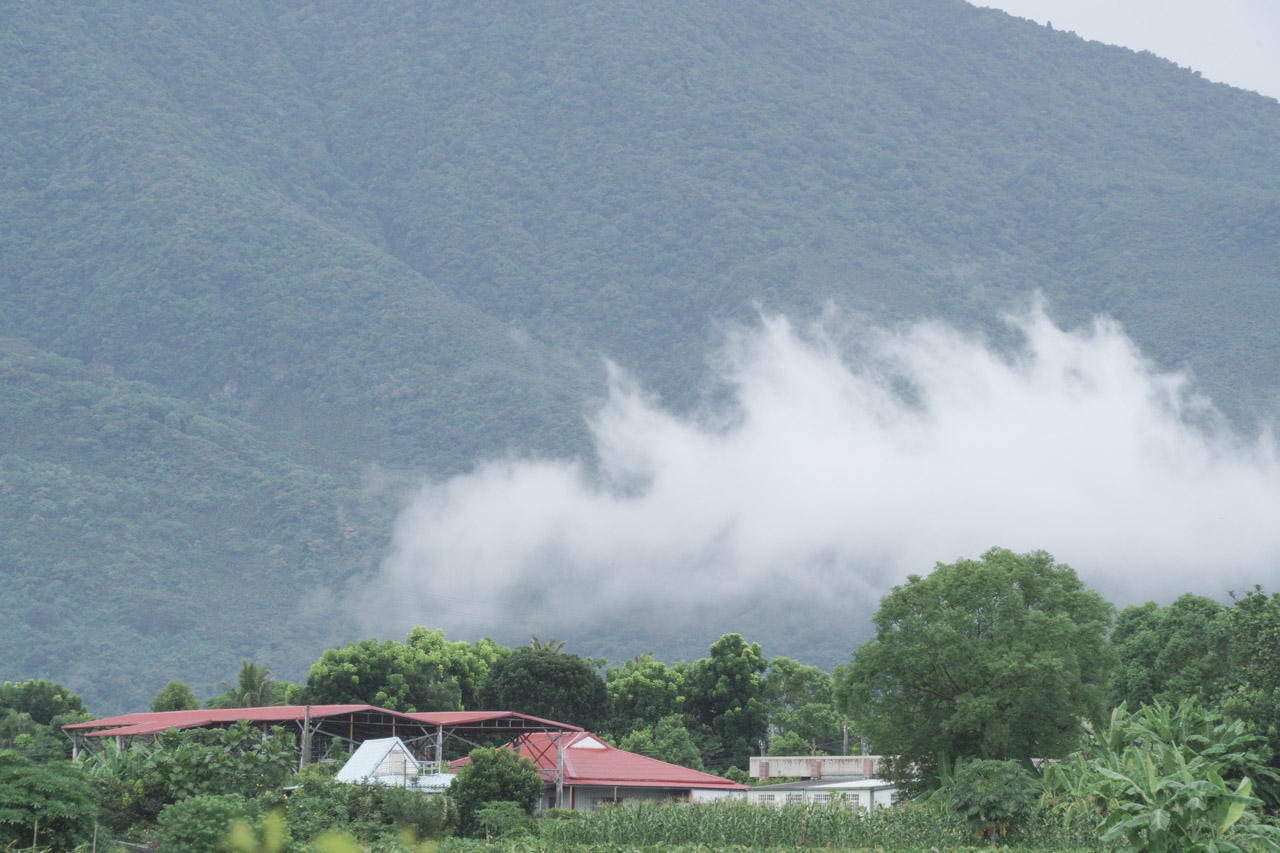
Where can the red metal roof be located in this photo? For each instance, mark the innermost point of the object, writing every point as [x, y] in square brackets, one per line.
[151, 722]
[464, 718]
[589, 761]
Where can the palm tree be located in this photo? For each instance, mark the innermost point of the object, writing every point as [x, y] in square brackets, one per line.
[255, 687]
[551, 645]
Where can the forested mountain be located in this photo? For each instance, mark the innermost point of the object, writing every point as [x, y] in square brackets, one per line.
[249, 249]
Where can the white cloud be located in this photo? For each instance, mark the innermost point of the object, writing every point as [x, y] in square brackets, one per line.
[848, 457]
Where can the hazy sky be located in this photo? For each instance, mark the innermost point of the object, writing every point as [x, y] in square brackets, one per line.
[1228, 41]
[843, 456]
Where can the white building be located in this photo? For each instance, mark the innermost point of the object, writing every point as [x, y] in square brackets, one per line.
[387, 761]
[855, 793]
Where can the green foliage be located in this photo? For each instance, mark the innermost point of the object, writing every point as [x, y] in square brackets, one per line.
[998, 657]
[548, 684]
[54, 798]
[493, 775]
[1171, 779]
[734, 824]
[40, 700]
[668, 740]
[790, 743]
[503, 819]
[390, 675]
[241, 759]
[1166, 653]
[368, 813]
[725, 694]
[177, 531]
[254, 688]
[521, 845]
[800, 700]
[1252, 691]
[993, 796]
[201, 824]
[175, 696]
[641, 692]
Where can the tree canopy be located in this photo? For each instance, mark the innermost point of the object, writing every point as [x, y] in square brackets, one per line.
[1165, 653]
[549, 684]
[398, 676]
[726, 696]
[1252, 691]
[175, 696]
[999, 657]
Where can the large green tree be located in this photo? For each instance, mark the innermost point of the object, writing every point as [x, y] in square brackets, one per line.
[175, 696]
[800, 700]
[389, 674]
[41, 700]
[426, 672]
[726, 695]
[466, 664]
[641, 692]
[1000, 657]
[548, 684]
[1164, 653]
[1253, 674]
[33, 712]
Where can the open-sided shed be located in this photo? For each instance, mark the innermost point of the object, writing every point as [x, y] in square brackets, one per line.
[425, 733]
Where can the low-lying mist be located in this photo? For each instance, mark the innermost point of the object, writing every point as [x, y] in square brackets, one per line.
[829, 462]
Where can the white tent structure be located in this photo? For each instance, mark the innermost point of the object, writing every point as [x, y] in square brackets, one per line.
[388, 761]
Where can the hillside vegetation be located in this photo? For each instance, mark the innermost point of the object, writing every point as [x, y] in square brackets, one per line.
[250, 249]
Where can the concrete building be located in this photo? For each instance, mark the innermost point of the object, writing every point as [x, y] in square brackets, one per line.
[855, 793]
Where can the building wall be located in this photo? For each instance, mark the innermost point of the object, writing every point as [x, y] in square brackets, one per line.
[396, 763]
[856, 798]
[812, 766]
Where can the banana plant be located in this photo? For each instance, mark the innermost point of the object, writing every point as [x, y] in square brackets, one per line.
[1161, 776]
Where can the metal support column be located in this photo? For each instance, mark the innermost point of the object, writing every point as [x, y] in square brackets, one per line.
[559, 770]
[305, 758]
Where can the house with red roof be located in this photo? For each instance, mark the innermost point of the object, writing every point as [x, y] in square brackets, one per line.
[596, 774]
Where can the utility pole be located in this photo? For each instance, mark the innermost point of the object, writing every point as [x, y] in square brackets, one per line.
[305, 758]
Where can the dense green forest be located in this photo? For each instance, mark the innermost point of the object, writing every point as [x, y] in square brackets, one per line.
[252, 252]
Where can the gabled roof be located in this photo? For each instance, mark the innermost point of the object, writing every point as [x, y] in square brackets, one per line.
[363, 764]
[590, 761]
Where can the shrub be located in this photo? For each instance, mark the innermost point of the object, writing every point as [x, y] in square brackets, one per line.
[993, 796]
[367, 812]
[493, 775]
[200, 824]
[504, 819]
